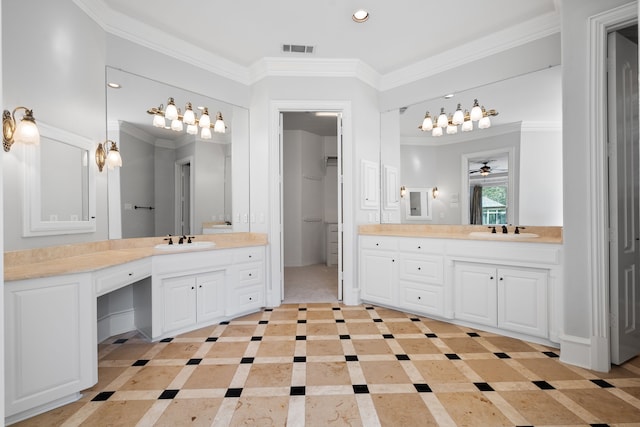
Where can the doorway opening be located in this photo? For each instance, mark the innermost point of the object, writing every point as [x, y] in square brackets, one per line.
[311, 206]
[183, 200]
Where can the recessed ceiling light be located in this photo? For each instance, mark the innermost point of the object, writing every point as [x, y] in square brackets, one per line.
[114, 85]
[449, 96]
[360, 15]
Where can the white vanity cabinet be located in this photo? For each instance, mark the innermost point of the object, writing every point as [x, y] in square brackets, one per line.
[513, 299]
[247, 281]
[378, 269]
[50, 345]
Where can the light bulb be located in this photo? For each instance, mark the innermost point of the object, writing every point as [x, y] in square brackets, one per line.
[484, 123]
[458, 116]
[443, 121]
[452, 129]
[113, 158]
[219, 125]
[476, 111]
[192, 129]
[427, 123]
[27, 132]
[176, 125]
[158, 121]
[205, 121]
[189, 117]
[437, 131]
[467, 126]
[171, 113]
[205, 133]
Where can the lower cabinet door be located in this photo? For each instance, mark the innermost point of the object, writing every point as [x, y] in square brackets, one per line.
[210, 296]
[378, 277]
[522, 301]
[179, 302]
[475, 294]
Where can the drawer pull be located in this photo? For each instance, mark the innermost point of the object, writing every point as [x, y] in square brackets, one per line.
[419, 268]
[419, 247]
[130, 274]
[491, 278]
[501, 278]
[419, 297]
[250, 256]
[193, 287]
[377, 244]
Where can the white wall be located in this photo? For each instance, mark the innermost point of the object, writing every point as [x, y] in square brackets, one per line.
[62, 80]
[331, 182]
[164, 190]
[138, 172]
[292, 198]
[390, 155]
[209, 181]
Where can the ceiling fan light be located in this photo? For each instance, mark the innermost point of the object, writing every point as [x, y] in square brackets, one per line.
[476, 111]
[458, 116]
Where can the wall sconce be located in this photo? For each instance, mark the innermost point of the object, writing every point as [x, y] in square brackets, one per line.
[108, 155]
[24, 132]
[403, 191]
[434, 192]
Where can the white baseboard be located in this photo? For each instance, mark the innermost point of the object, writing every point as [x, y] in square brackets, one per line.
[575, 351]
[115, 323]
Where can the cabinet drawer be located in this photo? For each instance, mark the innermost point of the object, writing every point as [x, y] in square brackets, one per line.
[247, 299]
[379, 242]
[424, 298]
[431, 246]
[249, 254]
[113, 278]
[250, 274]
[422, 268]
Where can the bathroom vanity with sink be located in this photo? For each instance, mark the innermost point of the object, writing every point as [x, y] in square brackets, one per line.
[509, 284]
[51, 327]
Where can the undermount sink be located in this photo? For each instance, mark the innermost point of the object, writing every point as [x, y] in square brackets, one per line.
[184, 246]
[503, 236]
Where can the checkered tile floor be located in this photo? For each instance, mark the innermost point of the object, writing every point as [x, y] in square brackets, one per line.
[330, 364]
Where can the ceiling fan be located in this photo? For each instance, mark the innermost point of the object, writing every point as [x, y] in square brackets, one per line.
[485, 169]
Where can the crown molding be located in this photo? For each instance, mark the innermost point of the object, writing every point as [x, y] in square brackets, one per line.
[140, 33]
[135, 132]
[492, 44]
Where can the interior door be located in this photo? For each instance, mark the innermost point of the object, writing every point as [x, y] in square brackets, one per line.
[340, 207]
[623, 198]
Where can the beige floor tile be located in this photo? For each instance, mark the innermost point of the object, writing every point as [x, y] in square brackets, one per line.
[390, 372]
[152, 378]
[227, 349]
[605, 405]
[439, 371]
[238, 331]
[398, 328]
[55, 417]
[402, 410]
[539, 408]
[269, 375]
[321, 329]
[324, 347]
[364, 347]
[129, 352]
[178, 350]
[464, 345]
[417, 346]
[494, 370]
[120, 413]
[276, 349]
[189, 412]
[340, 410]
[472, 410]
[281, 330]
[327, 373]
[320, 314]
[508, 345]
[358, 328]
[549, 369]
[211, 376]
[261, 411]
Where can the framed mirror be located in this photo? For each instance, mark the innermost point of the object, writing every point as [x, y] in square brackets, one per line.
[418, 204]
[172, 181]
[59, 184]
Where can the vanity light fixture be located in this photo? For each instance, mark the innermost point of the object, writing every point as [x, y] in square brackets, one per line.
[403, 191]
[190, 118]
[108, 155]
[360, 16]
[458, 118]
[23, 132]
[434, 192]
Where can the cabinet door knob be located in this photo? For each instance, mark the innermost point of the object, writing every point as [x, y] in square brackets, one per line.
[130, 274]
[491, 278]
[377, 244]
[419, 297]
[192, 287]
[200, 286]
[249, 274]
[419, 247]
[393, 260]
[501, 278]
[419, 268]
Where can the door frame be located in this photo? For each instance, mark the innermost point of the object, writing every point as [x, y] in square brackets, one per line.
[178, 194]
[275, 200]
[598, 232]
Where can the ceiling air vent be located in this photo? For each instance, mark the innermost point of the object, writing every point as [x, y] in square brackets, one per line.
[297, 48]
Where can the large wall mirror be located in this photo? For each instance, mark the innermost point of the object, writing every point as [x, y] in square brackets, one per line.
[173, 181]
[522, 150]
[59, 185]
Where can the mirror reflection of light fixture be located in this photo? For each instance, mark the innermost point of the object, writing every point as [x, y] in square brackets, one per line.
[465, 120]
[24, 132]
[403, 191]
[178, 120]
[434, 192]
[108, 155]
[360, 16]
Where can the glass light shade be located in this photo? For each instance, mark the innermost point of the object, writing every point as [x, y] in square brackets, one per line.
[452, 129]
[458, 116]
[171, 113]
[219, 125]
[205, 120]
[205, 133]
[467, 126]
[176, 125]
[113, 158]
[443, 121]
[484, 123]
[437, 131]
[427, 123]
[158, 121]
[26, 132]
[192, 129]
[476, 111]
[189, 117]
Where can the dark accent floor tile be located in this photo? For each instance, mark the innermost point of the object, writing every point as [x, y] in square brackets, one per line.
[388, 336]
[268, 309]
[415, 319]
[233, 392]
[212, 339]
[335, 308]
[121, 341]
[301, 338]
[422, 388]
[550, 353]
[102, 396]
[263, 322]
[256, 338]
[168, 394]
[483, 387]
[247, 360]
[166, 340]
[226, 322]
[302, 309]
[543, 385]
[360, 389]
[473, 334]
[377, 320]
[194, 361]
[302, 321]
[430, 335]
[339, 320]
[369, 308]
[140, 362]
[452, 356]
[299, 359]
[345, 337]
[351, 358]
[599, 425]
[297, 391]
[502, 355]
[402, 357]
[602, 383]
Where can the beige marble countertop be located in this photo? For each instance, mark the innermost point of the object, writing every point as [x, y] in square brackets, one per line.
[86, 257]
[464, 232]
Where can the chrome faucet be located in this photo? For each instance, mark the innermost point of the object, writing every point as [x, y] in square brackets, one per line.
[504, 229]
